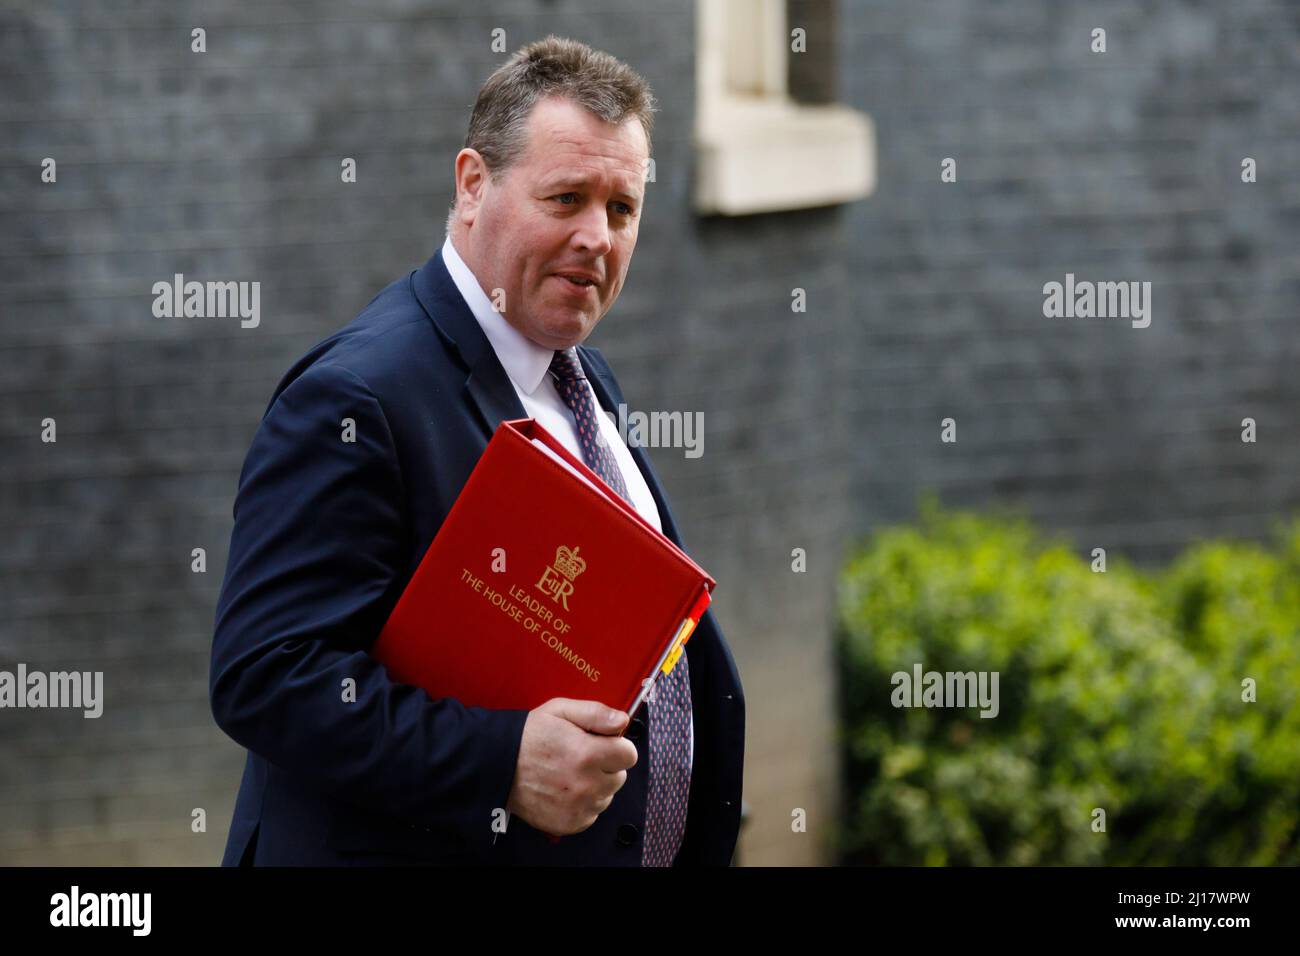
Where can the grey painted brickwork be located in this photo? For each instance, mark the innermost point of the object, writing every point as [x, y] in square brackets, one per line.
[1117, 166]
[924, 301]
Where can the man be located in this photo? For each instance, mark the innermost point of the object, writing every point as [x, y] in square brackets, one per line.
[346, 766]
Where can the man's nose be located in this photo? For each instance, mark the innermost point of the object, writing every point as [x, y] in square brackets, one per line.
[592, 234]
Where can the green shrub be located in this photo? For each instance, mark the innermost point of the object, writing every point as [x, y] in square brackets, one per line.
[1120, 691]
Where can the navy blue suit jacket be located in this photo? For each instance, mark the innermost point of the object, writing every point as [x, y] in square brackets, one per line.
[326, 535]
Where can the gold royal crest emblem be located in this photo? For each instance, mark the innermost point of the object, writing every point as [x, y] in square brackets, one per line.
[556, 581]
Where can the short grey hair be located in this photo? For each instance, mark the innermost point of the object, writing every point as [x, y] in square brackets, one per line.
[555, 66]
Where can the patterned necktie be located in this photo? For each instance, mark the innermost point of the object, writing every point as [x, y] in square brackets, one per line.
[670, 708]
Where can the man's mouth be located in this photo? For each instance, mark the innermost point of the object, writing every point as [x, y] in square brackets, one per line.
[575, 281]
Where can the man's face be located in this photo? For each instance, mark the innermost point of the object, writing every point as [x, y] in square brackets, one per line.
[570, 205]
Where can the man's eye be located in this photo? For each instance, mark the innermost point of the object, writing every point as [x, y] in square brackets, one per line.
[562, 195]
[626, 210]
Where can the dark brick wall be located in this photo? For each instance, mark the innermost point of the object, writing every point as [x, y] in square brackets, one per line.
[1119, 166]
[923, 301]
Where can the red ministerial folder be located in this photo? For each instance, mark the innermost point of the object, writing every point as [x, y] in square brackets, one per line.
[542, 582]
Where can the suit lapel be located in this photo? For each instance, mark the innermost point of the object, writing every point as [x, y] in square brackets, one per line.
[490, 390]
[487, 384]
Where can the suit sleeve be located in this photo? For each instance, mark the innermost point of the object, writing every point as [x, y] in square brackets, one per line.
[318, 545]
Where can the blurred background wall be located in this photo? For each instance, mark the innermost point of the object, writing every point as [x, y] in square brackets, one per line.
[924, 302]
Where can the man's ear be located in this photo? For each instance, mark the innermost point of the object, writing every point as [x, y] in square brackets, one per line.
[471, 182]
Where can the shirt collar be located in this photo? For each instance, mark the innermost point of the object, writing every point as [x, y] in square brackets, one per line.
[524, 360]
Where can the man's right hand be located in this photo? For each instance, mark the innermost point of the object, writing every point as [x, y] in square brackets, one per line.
[570, 765]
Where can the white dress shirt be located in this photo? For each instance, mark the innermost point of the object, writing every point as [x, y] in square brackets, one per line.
[527, 363]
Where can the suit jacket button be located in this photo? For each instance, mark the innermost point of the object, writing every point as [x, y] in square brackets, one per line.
[627, 834]
[635, 728]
